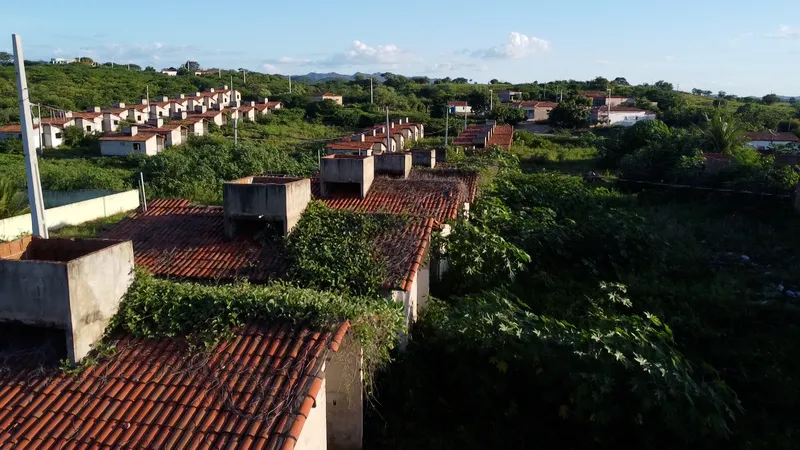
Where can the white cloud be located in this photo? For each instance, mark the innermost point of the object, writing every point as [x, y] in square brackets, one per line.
[358, 54]
[456, 66]
[519, 46]
[785, 32]
[269, 68]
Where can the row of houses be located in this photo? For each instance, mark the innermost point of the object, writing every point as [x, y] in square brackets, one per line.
[276, 383]
[140, 128]
[478, 136]
[402, 133]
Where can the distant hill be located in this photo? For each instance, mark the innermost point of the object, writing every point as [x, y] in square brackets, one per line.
[315, 77]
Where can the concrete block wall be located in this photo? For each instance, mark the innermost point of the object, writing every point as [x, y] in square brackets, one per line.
[72, 214]
[266, 198]
[424, 158]
[347, 169]
[394, 164]
[344, 396]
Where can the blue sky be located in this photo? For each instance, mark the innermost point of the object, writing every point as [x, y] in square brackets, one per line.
[742, 47]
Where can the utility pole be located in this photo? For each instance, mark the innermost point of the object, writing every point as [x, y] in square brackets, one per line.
[371, 92]
[244, 75]
[148, 95]
[491, 100]
[219, 73]
[446, 126]
[31, 162]
[235, 132]
[290, 84]
[465, 118]
[388, 132]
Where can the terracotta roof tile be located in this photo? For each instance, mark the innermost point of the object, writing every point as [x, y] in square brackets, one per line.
[151, 394]
[177, 239]
[421, 197]
[87, 115]
[458, 103]
[535, 104]
[503, 136]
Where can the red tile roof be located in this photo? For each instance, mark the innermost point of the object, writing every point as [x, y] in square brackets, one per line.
[140, 108]
[177, 239]
[87, 115]
[467, 176]
[457, 103]
[502, 136]
[328, 94]
[535, 104]
[139, 137]
[350, 145]
[424, 197]
[770, 136]
[252, 392]
[13, 128]
[190, 120]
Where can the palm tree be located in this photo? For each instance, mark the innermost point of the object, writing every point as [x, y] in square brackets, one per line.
[723, 135]
[12, 201]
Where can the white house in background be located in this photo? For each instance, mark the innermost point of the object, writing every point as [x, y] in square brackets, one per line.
[338, 99]
[119, 110]
[14, 131]
[248, 111]
[53, 130]
[138, 113]
[173, 133]
[264, 106]
[624, 116]
[214, 116]
[172, 72]
[763, 140]
[111, 122]
[195, 125]
[459, 107]
[131, 142]
[91, 122]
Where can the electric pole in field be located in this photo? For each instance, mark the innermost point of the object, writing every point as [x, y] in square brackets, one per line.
[465, 118]
[371, 92]
[290, 84]
[446, 125]
[35, 199]
[491, 100]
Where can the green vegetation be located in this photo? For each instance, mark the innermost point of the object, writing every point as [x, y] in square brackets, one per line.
[12, 201]
[207, 314]
[88, 229]
[574, 313]
[336, 250]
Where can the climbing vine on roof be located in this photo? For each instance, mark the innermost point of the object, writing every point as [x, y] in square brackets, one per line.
[205, 315]
[336, 250]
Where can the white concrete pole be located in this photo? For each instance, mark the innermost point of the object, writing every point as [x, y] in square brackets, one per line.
[446, 125]
[371, 92]
[388, 132]
[31, 162]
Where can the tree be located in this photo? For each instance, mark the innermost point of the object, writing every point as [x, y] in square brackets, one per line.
[479, 100]
[506, 115]
[86, 60]
[183, 71]
[722, 94]
[792, 100]
[621, 81]
[6, 58]
[494, 81]
[573, 112]
[460, 80]
[661, 84]
[598, 84]
[192, 65]
[421, 80]
[723, 135]
[770, 99]
[149, 69]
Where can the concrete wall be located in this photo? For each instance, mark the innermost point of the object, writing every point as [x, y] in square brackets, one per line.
[267, 198]
[343, 169]
[90, 126]
[394, 164]
[73, 214]
[423, 287]
[424, 158]
[74, 285]
[314, 435]
[53, 199]
[628, 119]
[97, 283]
[344, 392]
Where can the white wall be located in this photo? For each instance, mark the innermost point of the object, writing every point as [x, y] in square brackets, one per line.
[763, 145]
[53, 136]
[73, 214]
[625, 118]
[4, 136]
[125, 148]
[314, 435]
[344, 381]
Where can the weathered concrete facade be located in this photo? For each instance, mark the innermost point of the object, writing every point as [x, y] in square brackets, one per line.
[394, 164]
[424, 158]
[347, 169]
[280, 199]
[70, 284]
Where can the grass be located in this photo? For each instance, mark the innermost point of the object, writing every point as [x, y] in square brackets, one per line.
[573, 161]
[88, 229]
